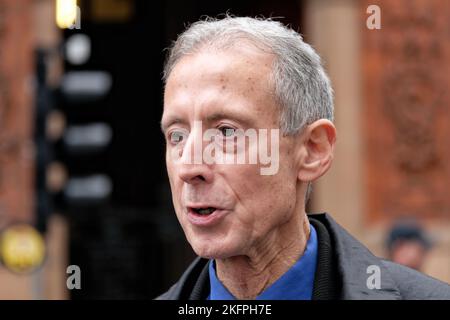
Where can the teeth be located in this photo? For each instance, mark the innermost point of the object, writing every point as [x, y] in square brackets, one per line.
[205, 211]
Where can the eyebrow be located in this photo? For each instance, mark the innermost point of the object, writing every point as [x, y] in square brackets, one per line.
[216, 116]
[166, 123]
[238, 117]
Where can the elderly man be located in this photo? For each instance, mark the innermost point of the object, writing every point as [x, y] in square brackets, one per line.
[231, 86]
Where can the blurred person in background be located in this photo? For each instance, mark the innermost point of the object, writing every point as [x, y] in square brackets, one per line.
[408, 244]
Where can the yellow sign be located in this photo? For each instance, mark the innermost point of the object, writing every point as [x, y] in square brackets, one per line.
[22, 248]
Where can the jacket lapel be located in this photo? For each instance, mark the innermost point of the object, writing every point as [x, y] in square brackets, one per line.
[354, 264]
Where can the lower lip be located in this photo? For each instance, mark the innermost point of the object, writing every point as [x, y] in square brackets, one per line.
[205, 220]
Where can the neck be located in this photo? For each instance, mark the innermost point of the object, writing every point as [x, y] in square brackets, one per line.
[247, 276]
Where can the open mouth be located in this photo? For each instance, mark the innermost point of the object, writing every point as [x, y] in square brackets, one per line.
[202, 215]
[204, 211]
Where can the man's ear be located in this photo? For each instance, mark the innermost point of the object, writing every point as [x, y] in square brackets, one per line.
[318, 142]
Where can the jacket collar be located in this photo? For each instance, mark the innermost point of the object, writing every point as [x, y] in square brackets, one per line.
[354, 261]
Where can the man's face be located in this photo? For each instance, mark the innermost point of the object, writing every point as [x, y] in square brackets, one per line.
[227, 90]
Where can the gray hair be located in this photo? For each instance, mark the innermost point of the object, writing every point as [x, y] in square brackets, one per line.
[301, 87]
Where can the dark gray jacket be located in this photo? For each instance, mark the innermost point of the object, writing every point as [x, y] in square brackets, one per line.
[343, 270]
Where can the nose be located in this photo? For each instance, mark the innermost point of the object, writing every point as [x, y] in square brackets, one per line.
[192, 169]
[195, 173]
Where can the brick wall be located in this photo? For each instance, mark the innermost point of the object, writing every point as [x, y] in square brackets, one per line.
[16, 112]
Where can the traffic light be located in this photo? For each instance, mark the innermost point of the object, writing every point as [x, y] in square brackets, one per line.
[104, 153]
[72, 134]
[88, 134]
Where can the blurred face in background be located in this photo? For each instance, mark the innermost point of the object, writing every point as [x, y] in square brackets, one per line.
[409, 253]
[228, 209]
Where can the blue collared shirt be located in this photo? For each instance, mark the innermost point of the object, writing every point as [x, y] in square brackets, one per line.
[296, 284]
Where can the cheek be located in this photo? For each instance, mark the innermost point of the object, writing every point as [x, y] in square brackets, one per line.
[279, 196]
[175, 185]
[265, 198]
[171, 170]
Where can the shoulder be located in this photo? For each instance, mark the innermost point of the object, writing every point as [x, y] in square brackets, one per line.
[397, 281]
[191, 285]
[415, 285]
[169, 294]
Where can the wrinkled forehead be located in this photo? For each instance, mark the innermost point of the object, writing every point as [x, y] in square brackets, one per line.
[245, 67]
[208, 81]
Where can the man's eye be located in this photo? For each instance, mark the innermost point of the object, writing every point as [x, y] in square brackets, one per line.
[227, 131]
[176, 137]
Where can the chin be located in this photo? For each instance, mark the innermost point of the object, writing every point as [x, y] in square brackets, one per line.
[211, 251]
